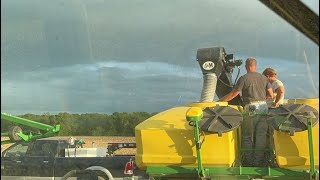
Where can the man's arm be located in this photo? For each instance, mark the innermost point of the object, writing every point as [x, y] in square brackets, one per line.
[237, 89]
[280, 93]
[269, 93]
[230, 95]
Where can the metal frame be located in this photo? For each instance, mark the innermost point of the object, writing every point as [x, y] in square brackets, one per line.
[165, 172]
[48, 130]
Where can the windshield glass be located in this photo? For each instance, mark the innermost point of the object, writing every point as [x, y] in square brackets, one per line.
[99, 68]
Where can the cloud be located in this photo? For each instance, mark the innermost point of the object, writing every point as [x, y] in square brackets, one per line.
[102, 87]
[106, 56]
[117, 86]
[81, 32]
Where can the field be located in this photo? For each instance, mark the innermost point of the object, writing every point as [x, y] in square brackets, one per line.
[97, 141]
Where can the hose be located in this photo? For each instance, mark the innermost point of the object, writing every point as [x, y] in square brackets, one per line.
[99, 168]
[209, 87]
[70, 174]
[92, 168]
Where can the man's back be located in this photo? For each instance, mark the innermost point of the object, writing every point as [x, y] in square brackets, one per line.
[253, 86]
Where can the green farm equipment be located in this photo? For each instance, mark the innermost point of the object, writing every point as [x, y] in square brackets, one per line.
[15, 133]
[191, 147]
[202, 140]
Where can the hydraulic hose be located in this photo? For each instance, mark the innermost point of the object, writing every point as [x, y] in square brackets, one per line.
[92, 168]
[70, 174]
[209, 87]
[99, 168]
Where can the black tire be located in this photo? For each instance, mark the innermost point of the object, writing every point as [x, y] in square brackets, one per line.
[12, 133]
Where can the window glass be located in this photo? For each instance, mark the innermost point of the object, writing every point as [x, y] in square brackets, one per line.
[17, 151]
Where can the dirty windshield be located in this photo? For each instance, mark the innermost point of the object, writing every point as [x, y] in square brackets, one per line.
[88, 77]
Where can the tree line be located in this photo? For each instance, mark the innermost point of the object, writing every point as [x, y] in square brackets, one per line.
[89, 124]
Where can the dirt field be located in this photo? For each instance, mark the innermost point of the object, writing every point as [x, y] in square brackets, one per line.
[97, 141]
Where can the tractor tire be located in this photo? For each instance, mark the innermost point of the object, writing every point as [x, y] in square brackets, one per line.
[12, 133]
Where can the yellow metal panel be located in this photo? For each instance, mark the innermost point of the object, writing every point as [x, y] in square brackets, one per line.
[207, 104]
[168, 139]
[293, 151]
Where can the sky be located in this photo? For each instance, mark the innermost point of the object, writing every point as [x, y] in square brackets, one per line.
[108, 56]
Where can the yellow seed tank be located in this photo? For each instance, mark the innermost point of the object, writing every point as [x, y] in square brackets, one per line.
[167, 139]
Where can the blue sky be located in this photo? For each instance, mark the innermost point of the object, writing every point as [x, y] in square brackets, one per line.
[116, 56]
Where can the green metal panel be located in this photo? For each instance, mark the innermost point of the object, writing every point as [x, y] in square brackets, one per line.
[230, 172]
[27, 136]
[194, 115]
[310, 139]
[38, 136]
[27, 122]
